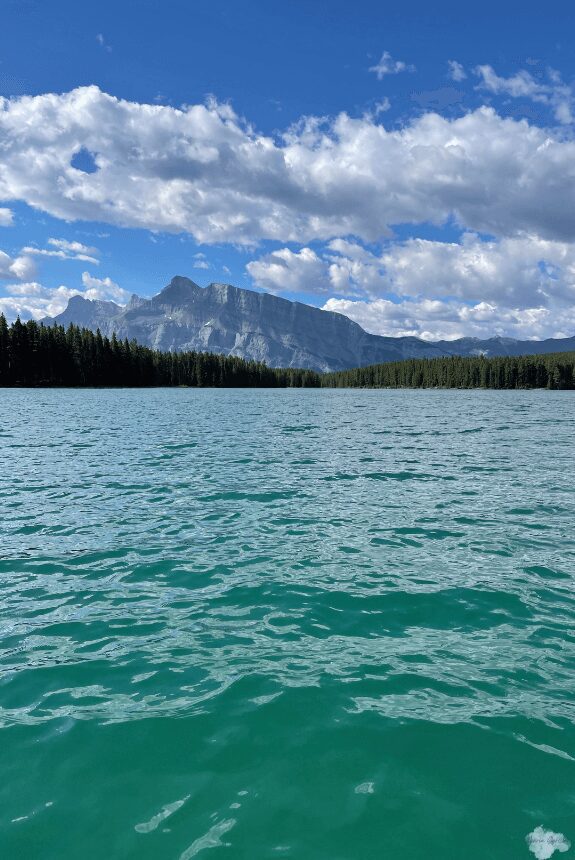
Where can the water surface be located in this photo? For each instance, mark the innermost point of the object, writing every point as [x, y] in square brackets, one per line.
[318, 624]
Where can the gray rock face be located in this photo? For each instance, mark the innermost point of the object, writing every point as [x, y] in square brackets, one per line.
[224, 319]
[86, 313]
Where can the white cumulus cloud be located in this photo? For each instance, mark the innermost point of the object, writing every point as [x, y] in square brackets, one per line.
[202, 170]
[16, 267]
[290, 271]
[513, 272]
[64, 250]
[32, 300]
[104, 289]
[519, 287]
[447, 320]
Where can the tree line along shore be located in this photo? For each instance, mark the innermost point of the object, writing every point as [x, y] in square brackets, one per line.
[34, 355]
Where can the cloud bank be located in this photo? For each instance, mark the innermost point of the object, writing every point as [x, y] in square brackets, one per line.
[521, 287]
[204, 171]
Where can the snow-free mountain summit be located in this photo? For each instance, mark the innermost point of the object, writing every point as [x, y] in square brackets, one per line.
[225, 319]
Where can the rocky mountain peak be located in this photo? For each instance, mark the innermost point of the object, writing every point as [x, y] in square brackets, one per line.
[178, 291]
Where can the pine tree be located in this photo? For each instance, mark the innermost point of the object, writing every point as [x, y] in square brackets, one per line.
[4, 351]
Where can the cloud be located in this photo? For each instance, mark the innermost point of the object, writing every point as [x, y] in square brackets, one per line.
[32, 300]
[522, 84]
[65, 250]
[102, 42]
[447, 320]
[16, 267]
[72, 247]
[382, 106]
[104, 289]
[200, 262]
[289, 271]
[202, 170]
[520, 287]
[554, 93]
[344, 268]
[456, 71]
[6, 217]
[388, 66]
[514, 272]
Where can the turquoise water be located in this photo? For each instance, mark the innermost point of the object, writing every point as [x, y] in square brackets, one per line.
[308, 624]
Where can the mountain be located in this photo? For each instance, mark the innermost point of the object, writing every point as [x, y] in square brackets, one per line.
[505, 346]
[225, 319]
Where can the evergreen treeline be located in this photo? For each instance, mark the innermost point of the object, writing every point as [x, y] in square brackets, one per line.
[32, 354]
[554, 370]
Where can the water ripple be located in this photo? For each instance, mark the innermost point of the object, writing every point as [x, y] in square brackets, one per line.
[222, 588]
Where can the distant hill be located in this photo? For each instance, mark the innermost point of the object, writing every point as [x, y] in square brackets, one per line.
[224, 319]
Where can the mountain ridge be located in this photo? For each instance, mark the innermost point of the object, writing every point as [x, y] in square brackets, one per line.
[230, 320]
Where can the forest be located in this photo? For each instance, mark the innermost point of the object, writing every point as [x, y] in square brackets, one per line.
[34, 355]
[554, 370]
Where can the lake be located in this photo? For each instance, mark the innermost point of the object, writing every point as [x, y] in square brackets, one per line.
[318, 624]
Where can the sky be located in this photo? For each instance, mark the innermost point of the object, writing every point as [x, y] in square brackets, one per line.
[409, 165]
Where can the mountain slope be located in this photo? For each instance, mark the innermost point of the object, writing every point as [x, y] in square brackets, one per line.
[225, 319]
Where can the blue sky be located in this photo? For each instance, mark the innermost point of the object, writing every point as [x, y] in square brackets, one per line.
[411, 165]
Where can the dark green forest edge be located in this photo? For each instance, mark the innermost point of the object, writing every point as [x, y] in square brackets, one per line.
[32, 354]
